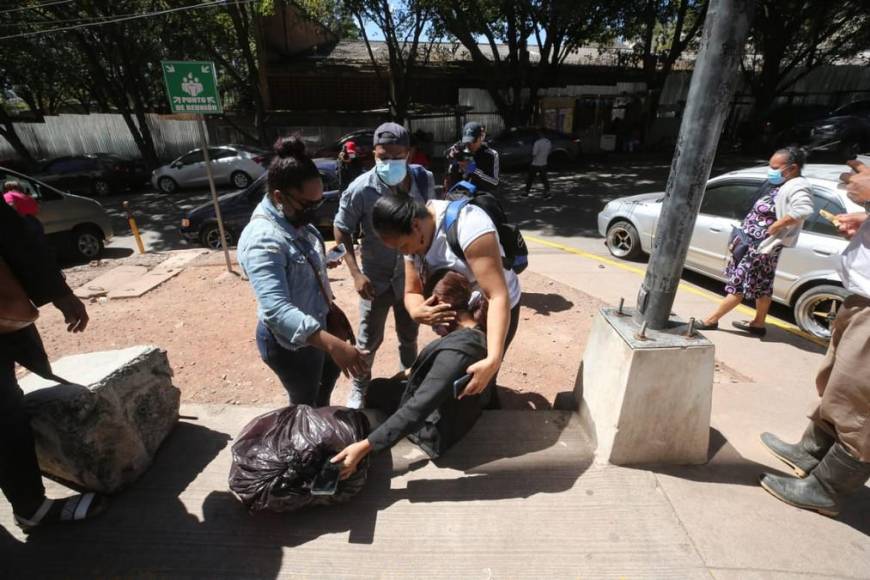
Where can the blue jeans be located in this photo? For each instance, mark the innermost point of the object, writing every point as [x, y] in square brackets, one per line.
[308, 374]
[373, 319]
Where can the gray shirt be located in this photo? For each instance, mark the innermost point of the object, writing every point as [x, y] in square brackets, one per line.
[383, 266]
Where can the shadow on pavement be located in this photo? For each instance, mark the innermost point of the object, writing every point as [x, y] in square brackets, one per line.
[725, 465]
[178, 520]
[546, 303]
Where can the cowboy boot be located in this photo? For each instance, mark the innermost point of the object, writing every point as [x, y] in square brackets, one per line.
[804, 455]
[837, 476]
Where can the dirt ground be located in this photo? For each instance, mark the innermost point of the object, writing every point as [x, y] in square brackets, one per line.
[206, 323]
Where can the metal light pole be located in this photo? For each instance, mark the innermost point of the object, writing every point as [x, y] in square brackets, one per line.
[710, 93]
[203, 140]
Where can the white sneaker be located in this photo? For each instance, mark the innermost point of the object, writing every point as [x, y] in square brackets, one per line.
[356, 399]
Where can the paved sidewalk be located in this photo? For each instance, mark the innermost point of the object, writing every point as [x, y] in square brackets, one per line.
[518, 498]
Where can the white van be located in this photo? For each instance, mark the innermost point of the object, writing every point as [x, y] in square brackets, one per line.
[77, 226]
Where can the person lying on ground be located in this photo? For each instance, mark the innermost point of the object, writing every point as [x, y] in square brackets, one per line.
[431, 383]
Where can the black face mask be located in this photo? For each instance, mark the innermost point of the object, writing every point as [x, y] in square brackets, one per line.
[304, 217]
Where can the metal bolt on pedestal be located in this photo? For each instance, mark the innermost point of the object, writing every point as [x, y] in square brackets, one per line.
[621, 304]
[691, 330]
[641, 335]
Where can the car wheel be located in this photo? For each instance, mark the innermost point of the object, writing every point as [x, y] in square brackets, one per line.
[167, 185]
[87, 243]
[816, 309]
[240, 179]
[211, 237]
[623, 240]
[101, 188]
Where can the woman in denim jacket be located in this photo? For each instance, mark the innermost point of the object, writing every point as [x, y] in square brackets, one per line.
[279, 251]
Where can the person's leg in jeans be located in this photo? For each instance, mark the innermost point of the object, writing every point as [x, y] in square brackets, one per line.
[530, 177]
[300, 371]
[328, 377]
[372, 319]
[544, 180]
[20, 478]
[407, 331]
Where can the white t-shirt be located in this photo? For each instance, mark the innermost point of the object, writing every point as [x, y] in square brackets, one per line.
[855, 262]
[541, 152]
[472, 223]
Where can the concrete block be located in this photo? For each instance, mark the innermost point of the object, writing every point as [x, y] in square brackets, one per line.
[115, 277]
[645, 401]
[100, 429]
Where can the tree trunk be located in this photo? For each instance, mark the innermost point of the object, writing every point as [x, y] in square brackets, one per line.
[8, 132]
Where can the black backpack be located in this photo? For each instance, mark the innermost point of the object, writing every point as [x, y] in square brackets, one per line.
[516, 253]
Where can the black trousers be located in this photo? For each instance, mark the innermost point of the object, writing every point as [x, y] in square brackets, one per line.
[534, 171]
[20, 478]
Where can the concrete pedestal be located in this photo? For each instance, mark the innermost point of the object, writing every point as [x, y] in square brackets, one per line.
[646, 400]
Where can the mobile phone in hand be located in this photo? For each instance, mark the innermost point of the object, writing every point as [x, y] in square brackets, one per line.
[326, 481]
[829, 216]
[336, 254]
[460, 384]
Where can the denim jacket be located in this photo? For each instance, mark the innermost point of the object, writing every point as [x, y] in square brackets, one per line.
[289, 299]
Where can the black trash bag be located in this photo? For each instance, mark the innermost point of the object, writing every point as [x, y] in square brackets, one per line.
[277, 456]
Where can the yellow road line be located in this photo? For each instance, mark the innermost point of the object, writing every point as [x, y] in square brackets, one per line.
[712, 297]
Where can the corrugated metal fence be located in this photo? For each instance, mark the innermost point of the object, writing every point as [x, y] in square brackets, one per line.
[70, 134]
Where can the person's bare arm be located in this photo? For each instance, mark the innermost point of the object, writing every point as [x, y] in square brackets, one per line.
[484, 258]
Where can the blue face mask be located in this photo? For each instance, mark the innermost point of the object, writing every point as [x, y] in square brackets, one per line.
[391, 171]
[774, 176]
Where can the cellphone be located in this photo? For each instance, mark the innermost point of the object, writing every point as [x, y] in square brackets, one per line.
[829, 216]
[326, 481]
[336, 253]
[460, 384]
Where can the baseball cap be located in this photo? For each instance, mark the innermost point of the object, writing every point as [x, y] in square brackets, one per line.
[392, 134]
[471, 132]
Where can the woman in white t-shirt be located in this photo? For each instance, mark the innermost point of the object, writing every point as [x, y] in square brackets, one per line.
[416, 231]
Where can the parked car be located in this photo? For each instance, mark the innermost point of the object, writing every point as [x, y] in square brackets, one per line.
[806, 279]
[97, 174]
[514, 147]
[235, 165]
[200, 224]
[76, 226]
[363, 139]
[845, 130]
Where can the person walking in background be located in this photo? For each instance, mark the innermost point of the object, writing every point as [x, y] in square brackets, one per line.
[349, 165]
[774, 223]
[27, 263]
[832, 459]
[540, 154]
[471, 159]
[380, 280]
[301, 335]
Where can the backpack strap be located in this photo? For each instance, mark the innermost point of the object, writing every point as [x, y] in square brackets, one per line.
[449, 223]
[421, 179]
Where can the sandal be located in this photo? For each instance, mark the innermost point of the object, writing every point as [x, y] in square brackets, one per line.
[745, 326]
[75, 508]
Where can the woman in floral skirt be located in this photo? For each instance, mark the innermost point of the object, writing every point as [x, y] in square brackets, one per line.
[773, 223]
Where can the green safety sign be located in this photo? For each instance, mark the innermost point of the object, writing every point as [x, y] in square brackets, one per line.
[192, 87]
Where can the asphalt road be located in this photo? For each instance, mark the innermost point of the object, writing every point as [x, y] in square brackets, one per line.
[568, 217]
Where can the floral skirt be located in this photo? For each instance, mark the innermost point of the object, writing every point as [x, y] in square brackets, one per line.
[753, 275]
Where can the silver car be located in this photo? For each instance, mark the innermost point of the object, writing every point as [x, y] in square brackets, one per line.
[77, 226]
[806, 279]
[235, 165]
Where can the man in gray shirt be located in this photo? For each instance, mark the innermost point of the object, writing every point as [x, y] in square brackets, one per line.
[380, 281]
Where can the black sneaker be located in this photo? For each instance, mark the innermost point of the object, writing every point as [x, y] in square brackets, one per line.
[701, 325]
